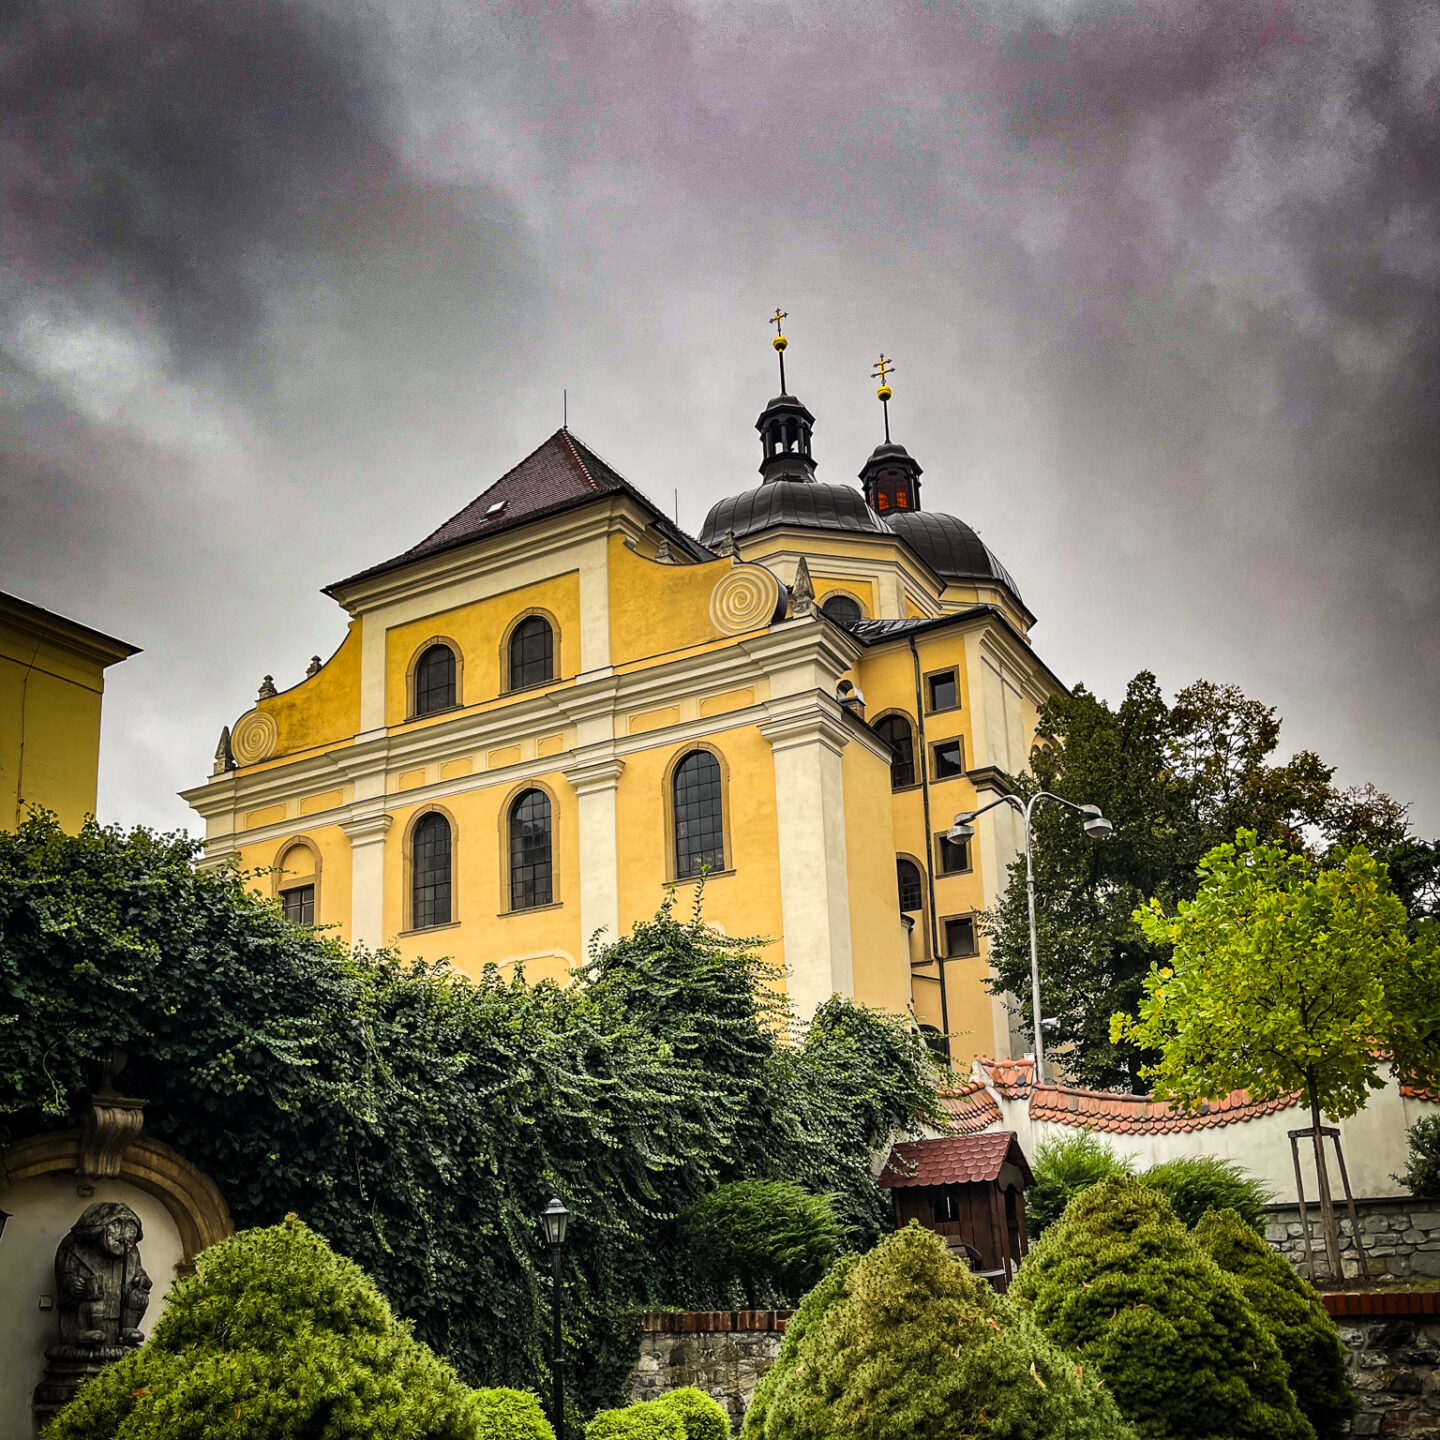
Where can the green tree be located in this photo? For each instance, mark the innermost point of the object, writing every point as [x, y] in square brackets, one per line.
[278, 1338]
[1422, 1146]
[1197, 1185]
[907, 1344]
[1119, 1283]
[1286, 975]
[1292, 1312]
[1064, 1166]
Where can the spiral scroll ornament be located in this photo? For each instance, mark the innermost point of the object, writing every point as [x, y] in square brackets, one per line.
[745, 598]
[254, 737]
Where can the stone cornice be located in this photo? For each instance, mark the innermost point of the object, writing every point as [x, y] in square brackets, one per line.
[367, 829]
[820, 721]
[588, 776]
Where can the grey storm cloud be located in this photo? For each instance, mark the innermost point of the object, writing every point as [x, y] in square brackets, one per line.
[285, 284]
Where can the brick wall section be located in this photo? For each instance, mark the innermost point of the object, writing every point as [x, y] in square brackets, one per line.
[1400, 1235]
[1392, 1343]
[722, 1352]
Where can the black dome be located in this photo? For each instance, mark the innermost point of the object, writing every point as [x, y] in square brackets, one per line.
[808, 503]
[949, 547]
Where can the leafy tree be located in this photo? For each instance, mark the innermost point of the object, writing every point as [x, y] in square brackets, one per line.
[766, 1236]
[1174, 780]
[1422, 1174]
[1197, 1185]
[418, 1119]
[278, 1338]
[1288, 976]
[1119, 1283]
[1063, 1168]
[907, 1344]
[1292, 1312]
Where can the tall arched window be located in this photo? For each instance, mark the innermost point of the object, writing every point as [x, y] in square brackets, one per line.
[435, 680]
[531, 871]
[430, 871]
[699, 821]
[912, 893]
[532, 653]
[894, 730]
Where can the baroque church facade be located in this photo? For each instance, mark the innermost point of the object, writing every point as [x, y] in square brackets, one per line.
[558, 704]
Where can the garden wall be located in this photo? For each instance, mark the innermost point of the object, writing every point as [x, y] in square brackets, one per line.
[722, 1352]
[1400, 1235]
[1392, 1345]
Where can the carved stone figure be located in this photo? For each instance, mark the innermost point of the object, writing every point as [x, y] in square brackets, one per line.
[103, 1291]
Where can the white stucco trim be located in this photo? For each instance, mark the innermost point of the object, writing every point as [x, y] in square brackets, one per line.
[595, 781]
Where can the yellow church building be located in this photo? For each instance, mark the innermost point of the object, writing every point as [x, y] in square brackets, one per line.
[558, 704]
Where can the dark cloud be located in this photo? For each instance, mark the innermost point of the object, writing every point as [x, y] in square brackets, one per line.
[1163, 279]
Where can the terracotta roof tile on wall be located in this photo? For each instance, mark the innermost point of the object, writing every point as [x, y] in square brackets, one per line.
[1140, 1115]
[971, 1109]
[1420, 1092]
[953, 1160]
[1012, 1078]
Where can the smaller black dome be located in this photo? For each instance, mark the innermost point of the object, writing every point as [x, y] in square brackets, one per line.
[808, 503]
[949, 547]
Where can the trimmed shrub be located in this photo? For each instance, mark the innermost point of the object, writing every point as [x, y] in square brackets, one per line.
[1196, 1185]
[1120, 1282]
[1063, 1168]
[650, 1420]
[1293, 1313]
[279, 1337]
[907, 1344]
[766, 1236]
[1422, 1175]
[701, 1417]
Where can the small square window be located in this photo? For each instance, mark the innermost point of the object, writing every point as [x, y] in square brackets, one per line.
[960, 936]
[949, 758]
[954, 856]
[299, 904]
[944, 692]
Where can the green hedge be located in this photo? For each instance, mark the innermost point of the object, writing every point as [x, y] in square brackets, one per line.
[648, 1421]
[1421, 1175]
[1198, 1185]
[700, 1416]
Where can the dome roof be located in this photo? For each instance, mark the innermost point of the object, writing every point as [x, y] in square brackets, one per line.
[949, 547]
[808, 503]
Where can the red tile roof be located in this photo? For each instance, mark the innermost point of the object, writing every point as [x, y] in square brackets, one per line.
[1140, 1115]
[971, 1109]
[1012, 1078]
[953, 1160]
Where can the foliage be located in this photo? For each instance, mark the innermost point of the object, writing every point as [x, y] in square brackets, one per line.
[420, 1120]
[907, 1344]
[1175, 780]
[702, 1417]
[1292, 1312]
[1285, 976]
[1422, 1175]
[650, 1420]
[1197, 1185]
[1063, 1168]
[767, 1236]
[278, 1337]
[1120, 1281]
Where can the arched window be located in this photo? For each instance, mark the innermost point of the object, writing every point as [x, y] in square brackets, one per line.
[699, 822]
[907, 874]
[297, 883]
[530, 868]
[532, 653]
[843, 610]
[435, 680]
[430, 869]
[894, 730]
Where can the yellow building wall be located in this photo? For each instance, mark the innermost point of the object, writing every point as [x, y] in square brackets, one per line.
[880, 966]
[324, 708]
[657, 609]
[262, 860]
[49, 737]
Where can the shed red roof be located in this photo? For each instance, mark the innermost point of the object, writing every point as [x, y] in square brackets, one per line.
[953, 1160]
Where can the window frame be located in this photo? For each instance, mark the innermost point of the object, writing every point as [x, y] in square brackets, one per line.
[941, 871]
[953, 673]
[507, 868]
[840, 593]
[412, 679]
[282, 879]
[533, 613]
[920, 880]
[935, 747]
[914, 772]
[945, 922]
[307, 901]
[415, 821]
[672, 855]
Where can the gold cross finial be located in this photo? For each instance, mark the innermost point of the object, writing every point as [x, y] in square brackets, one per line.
[780, 342]
[777, 317]
[883, 367]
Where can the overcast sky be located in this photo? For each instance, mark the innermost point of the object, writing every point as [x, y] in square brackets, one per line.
[285, 285]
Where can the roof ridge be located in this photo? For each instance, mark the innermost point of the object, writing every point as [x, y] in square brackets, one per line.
[564, 433]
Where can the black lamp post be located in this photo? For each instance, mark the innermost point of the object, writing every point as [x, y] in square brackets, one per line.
[553, 1218]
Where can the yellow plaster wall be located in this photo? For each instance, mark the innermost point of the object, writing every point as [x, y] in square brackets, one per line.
[49, 731]
[332, 845]
[828, 584]
[657, 609]
[323, 709]
[879, 963]
[480, 628]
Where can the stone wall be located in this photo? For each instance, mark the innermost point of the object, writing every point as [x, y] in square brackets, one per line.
[1392, 1343]
[1400, 1235]
[722, 1352]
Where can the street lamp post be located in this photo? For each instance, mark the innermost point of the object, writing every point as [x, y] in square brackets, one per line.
[1096, 826]
[553, 1218]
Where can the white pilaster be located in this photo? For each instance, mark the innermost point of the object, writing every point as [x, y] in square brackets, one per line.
[595, 782]
[367, 877]
[810, 811]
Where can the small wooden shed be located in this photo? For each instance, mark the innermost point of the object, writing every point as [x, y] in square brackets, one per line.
[970, 1189]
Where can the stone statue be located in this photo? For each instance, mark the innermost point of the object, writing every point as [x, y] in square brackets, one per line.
[103, 1291]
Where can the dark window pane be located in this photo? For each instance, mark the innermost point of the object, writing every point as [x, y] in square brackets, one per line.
[532, 653]
[943, 695]
[530, 869]
[299, 904]
[911, 891]
[949, 759]
[430, 871]
[894, 730]
[960, 936]
[435, 680]
[699, 825]
[842, 609]
[954, 856]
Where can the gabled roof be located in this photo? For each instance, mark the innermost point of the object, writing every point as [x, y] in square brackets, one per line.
[560, 473]
[954, 1160]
